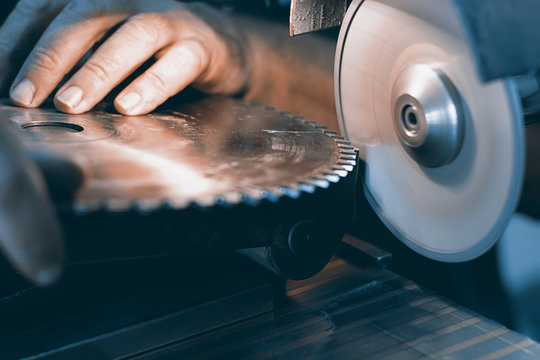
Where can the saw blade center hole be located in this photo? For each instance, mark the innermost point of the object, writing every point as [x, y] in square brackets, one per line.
[409, 120]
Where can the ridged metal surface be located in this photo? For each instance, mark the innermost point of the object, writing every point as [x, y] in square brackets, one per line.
[146, 310]
[347, 312]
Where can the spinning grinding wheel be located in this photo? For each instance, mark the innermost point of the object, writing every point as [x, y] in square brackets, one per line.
[444, 152]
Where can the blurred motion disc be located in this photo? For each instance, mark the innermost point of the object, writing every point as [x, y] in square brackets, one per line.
[453, 211]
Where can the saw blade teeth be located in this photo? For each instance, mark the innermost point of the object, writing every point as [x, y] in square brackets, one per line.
[167, 205]
[348, 158]
[331, 176]
[249, 200]
[307, 181]
[345, 147]
[232, 199]
[270, 195]
[202, 203]
[290, 192]
[345, 165]
[346, 162]
[265, 195]
[346, 152]
[307, 188]
[341, 172]
[321, 182]
[253, 192]
[143, 207]
[224, 202]
[343, 142]
[196, 205]
[171, 204]
[333, 134]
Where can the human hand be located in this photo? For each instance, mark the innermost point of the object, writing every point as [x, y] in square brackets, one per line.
[192, 44]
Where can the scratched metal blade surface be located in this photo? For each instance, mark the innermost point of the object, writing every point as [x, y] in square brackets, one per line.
[313, 15]
[215, 150]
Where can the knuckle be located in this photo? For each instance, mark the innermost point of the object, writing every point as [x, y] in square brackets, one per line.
[98, 70]
[46, 59]
[32, 7]
[157, 81]
[147, 26]
[192, 54]
[72, 16]
[77, 11]
[80, 6]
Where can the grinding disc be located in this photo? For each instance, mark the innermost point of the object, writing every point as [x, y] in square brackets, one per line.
[456, 210]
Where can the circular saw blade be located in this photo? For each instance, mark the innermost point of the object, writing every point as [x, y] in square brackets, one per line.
[213, 173]
[453, 212]
[213, 151]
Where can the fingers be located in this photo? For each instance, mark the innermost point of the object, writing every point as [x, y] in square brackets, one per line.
[29, 234]
[179, 66]
[65, 41]
[186, 43]
[22, 27]
[127, 49]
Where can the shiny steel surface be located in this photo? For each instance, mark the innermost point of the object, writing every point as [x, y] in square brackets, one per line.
[428, 116]
[449, 213]
[215, 150]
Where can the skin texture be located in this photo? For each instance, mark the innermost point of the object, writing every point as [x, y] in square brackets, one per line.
[43, 43]
[192, 44]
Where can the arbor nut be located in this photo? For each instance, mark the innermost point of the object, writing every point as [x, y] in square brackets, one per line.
[428, 116]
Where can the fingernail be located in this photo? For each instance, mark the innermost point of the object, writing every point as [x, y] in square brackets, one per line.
[48, 275]
[71, 97]
[23, 93]
[129, 101]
